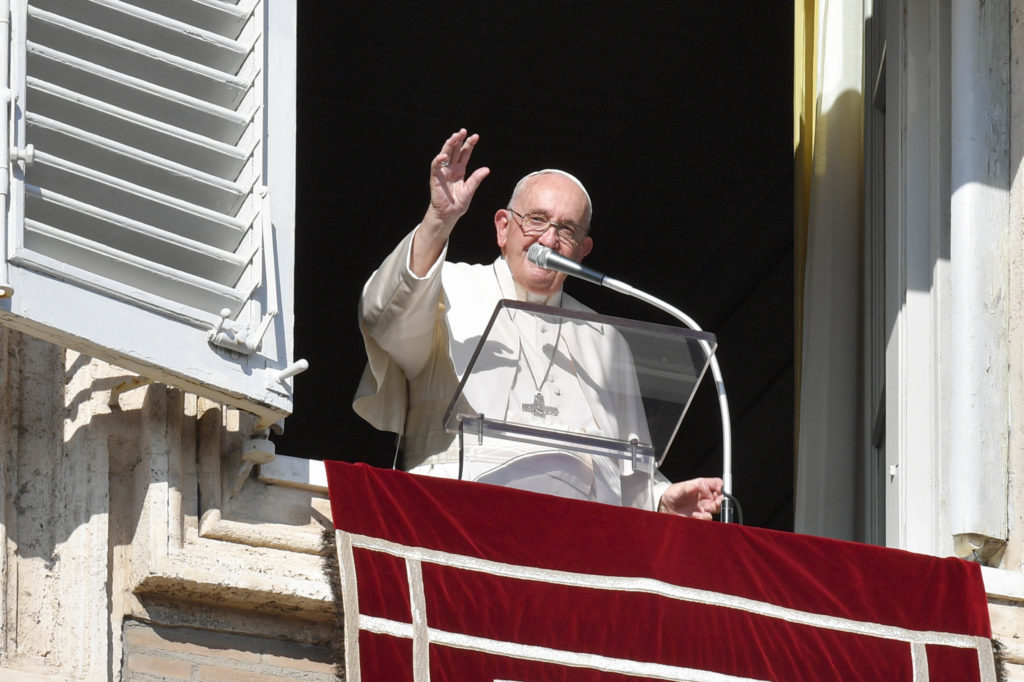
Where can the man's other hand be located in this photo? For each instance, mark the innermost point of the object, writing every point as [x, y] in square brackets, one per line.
[698, 498]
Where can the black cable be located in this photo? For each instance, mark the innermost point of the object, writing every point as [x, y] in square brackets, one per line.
[461, 455]
[735, 505]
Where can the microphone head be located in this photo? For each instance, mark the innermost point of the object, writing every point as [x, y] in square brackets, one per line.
[538, 255]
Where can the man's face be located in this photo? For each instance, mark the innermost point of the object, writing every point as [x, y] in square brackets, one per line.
[560, 201]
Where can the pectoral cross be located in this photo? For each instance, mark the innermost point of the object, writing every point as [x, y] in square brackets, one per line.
[538, 408]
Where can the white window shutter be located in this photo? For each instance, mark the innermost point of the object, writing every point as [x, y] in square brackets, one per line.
[149, 150]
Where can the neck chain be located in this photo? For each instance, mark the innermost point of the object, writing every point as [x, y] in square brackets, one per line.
[537, 407]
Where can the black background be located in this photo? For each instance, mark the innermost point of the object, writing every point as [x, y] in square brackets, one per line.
[677, 116]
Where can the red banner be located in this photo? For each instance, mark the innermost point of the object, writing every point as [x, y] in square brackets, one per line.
[447, 580]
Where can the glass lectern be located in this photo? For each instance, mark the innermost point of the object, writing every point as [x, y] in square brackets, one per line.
[589, 388]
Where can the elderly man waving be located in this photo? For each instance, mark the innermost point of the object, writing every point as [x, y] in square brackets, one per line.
[419, 314]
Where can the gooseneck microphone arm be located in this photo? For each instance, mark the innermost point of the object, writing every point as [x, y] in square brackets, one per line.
[544, 257]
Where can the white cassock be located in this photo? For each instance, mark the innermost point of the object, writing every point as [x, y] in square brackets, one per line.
[420, 334]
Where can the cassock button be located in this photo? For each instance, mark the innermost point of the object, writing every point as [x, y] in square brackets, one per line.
[555, 390]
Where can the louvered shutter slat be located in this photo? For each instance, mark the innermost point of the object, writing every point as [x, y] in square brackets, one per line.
[226, 18]
[145, 134]
[159, 246]
[135, 94]
[147, 184]
[129, 269]
[147, 170]
[130, 58]
[159, 32]
[137, 202]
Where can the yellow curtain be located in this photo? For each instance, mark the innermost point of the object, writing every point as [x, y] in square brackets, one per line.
[805, 22]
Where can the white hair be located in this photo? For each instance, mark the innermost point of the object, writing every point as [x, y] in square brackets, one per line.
[588, 213]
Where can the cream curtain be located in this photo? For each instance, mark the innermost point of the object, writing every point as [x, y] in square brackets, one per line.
[828, 154]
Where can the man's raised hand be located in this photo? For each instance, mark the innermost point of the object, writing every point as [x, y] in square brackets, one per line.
[450, 195]
[450, 190]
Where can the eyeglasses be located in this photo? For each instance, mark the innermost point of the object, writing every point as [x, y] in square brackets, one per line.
[536, 224]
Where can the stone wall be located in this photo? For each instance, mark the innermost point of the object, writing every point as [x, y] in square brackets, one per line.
[133, 508]
[156, 653]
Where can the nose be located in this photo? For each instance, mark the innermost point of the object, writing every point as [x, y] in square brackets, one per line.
[549, 238]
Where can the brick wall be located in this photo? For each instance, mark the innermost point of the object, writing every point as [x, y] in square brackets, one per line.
[154, 653]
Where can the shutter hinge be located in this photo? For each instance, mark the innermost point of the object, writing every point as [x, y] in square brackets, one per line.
[26, 154]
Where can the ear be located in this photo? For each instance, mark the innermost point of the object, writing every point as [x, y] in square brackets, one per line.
[586, 246]
[501, 225]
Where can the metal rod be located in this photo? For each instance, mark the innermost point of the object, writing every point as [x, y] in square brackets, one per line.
[716, 372]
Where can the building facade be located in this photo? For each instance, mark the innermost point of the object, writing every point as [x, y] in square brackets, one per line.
[146, 357]
[908, 139]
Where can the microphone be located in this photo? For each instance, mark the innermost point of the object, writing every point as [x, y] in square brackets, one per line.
[547, 258]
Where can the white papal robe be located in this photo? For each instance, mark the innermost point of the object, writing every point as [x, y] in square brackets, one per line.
[420, 334]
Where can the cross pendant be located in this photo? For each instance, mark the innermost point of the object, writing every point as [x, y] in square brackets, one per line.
[538, 408]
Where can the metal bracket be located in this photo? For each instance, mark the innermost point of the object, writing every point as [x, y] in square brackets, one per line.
[250, 343]
[278, 381]
[221, 336]
[6, 290]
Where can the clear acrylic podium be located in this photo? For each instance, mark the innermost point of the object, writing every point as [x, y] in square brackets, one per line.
[625, 388]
